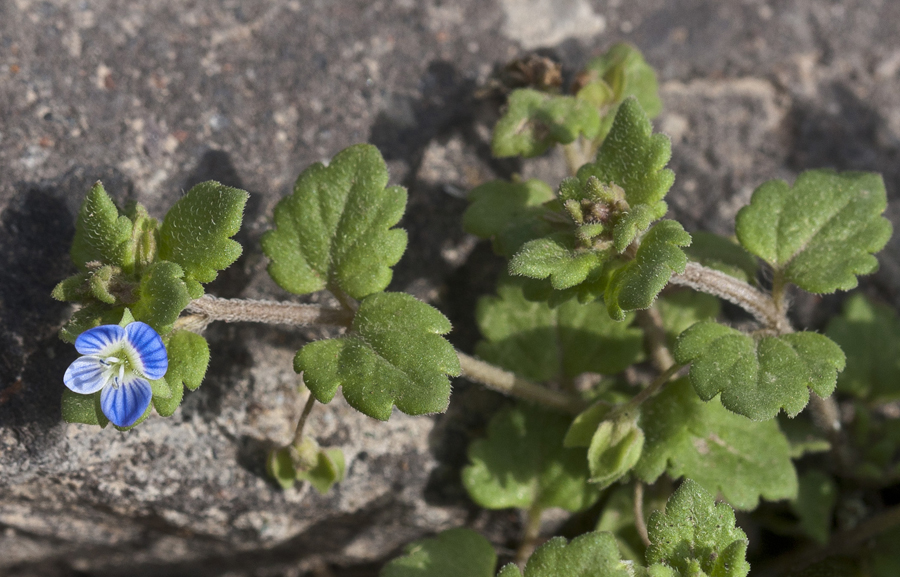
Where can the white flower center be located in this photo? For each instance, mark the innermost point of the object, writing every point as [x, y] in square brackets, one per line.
[116, 367]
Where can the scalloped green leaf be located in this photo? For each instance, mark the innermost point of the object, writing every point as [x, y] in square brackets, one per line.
[534, 121]
[509, 213]
[453, 553]
[633, 158]
[522, 463]
[822, 232]
[196, 232]
[636, 284]
[589, 555]
[166, 406]
[336, 227]
[87, 317]
[72, 289]
[394, 354]
[722, 254]
[102, 233]
[724, 452]
[546, 344]
[625, 71]
[162, 296]
[759, 375]
[84, 409]
[558, 257]
[695, 533]
[188, 358]
[869, 334]
[634, 222]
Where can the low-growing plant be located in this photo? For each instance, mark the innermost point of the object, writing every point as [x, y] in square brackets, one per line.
[607, 329]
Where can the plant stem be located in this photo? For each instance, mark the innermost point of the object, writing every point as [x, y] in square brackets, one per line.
[510, 384]
[574, 159]
[307, 408]
[839, 544]
[757, 303]
[208, 308]
[651, 389]
[639, 523]
[655, 336]
[530, 535]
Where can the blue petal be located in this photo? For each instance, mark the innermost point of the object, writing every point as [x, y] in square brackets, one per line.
[85, 375]
[150, 348]
[94, 341]
[123, 406]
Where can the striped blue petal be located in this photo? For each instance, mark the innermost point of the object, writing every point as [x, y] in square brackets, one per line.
[149, 348]
[98, 340]
[124, 405]
[85, 375]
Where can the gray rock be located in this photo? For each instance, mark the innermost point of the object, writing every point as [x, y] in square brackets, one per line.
[153, 97]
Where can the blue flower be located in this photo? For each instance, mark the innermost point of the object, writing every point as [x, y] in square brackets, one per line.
[118, 362]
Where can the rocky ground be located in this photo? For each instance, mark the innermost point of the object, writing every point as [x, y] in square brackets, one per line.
[152, 97]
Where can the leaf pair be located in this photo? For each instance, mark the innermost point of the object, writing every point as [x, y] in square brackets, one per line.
[336, 232]
[322, 468]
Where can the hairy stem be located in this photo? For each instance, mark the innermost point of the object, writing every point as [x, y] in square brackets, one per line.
[757, 303]
[655, 338]
[307, 408]
[530, 535]
[510, 384]
[208, 308]
[639, 522]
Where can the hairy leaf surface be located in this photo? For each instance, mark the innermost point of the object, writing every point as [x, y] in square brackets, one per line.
[822, 232]
[393, 355]
[196, 232]
[724, 452]
[544, 344]
[163, 295]
[453, 553]
[522, 463]
[589, 555]
[636, 284]
[188, 359]
[758, 376]
[101, 232]
[335, 229]
[534, 121]
[558, 257]
[694, 533]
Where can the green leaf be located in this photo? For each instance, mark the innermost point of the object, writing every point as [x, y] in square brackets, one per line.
[162, 296]
[534, 121]
[869, 334]
[803, 436]
[329, 469]
[724, 452]
[680, 309]
[545, 344]
[558, 257]
[636, 284]
[634, 222]
[522, 463]
[188, 358]
[453, 553]
[722, 254]
[87, 317]
[625, 71]
[633, 158]
[822, 232]
[161, 388]
[589, 555]
[758, 375]
[280, 467]
[335, 229]
[196, 232]
[814, 504]
[618, 518]
[696, 533]
[509, 213]
[74, 288]
[83, 409]
[393, 355]
[101, 232]
[614, 444]
[166, 407]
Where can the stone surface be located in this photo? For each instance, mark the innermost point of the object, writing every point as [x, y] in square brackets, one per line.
[153, 97]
